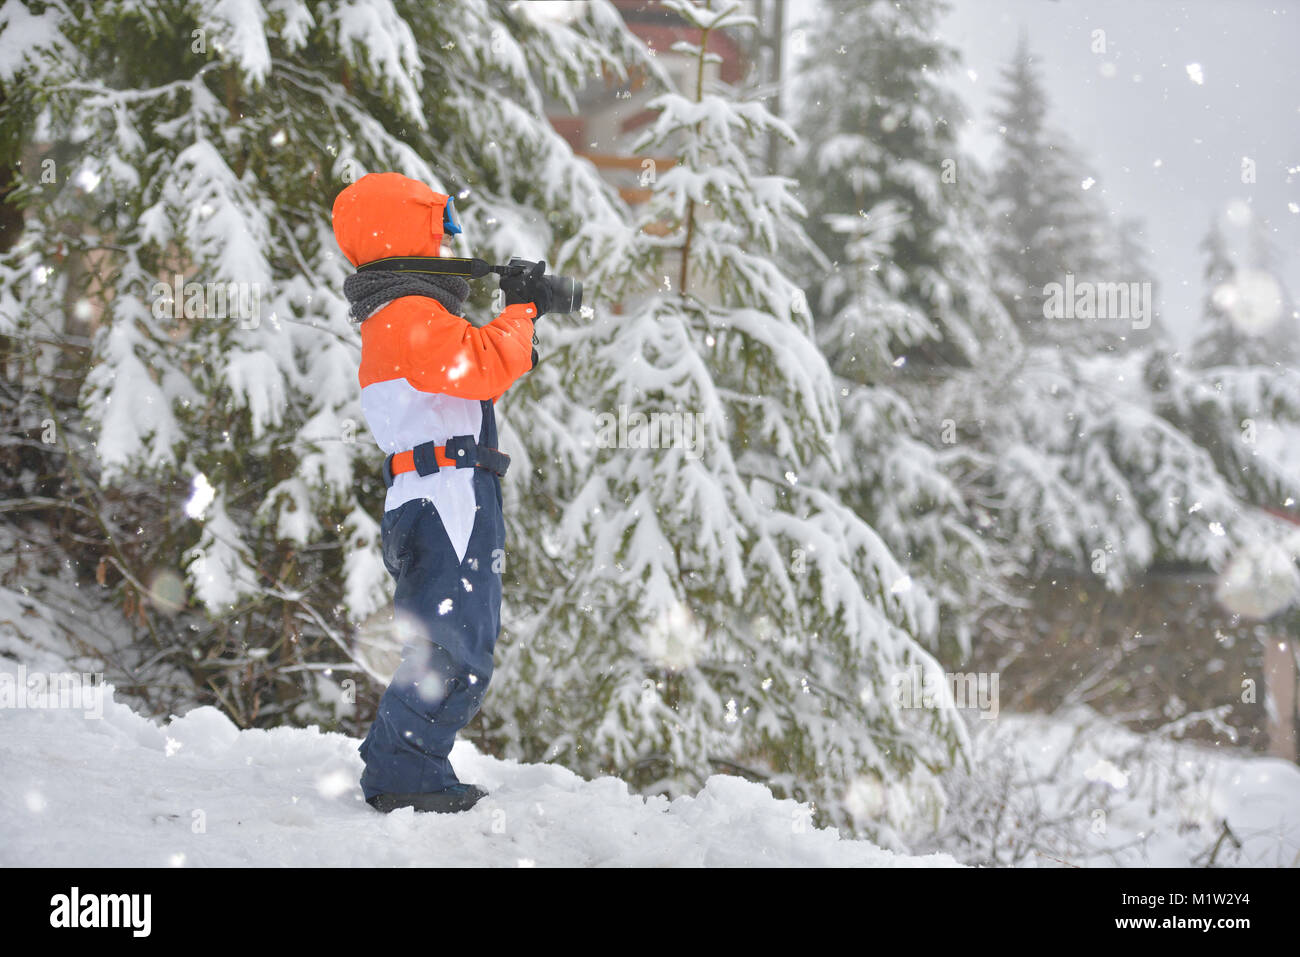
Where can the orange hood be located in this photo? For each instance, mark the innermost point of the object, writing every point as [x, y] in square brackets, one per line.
[388, 214]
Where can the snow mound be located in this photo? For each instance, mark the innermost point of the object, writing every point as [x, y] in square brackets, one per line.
[120, 790]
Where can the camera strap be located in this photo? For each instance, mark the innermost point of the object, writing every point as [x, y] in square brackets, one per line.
[437, 265]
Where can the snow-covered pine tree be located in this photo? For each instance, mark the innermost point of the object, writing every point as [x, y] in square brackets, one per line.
[1132, 263]
[226, 433]
[1079, 467]
[1220, 341]
[1051, 455]
[1246, 317]
[1049, 213]
[895, 207]
[880, 126]
[727, 613]
[1238, 392]
[1084, 473]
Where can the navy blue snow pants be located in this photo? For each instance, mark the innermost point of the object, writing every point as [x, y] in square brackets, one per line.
[454, 609]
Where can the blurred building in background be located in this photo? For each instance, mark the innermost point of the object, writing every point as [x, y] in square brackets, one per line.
[613, 114]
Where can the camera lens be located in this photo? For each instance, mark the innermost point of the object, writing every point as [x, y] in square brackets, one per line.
[566, 294]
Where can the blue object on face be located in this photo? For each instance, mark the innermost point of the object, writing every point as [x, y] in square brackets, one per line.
[449, 224]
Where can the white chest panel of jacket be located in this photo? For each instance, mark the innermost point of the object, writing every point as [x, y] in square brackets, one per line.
[401, 417]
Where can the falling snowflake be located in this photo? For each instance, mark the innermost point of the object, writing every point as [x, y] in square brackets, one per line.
[201, 496]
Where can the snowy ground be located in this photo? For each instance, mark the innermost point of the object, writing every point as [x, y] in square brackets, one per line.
[1077, 789]
[122, 791]
[1071, 788]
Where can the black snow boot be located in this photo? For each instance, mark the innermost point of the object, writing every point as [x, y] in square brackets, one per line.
[458, 797]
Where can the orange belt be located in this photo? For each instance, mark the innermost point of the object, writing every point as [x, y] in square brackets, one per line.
[461, 451]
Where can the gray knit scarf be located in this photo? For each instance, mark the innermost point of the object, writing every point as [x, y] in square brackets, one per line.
[369, 291]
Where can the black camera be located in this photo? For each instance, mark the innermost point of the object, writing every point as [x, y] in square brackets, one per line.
[566, 293]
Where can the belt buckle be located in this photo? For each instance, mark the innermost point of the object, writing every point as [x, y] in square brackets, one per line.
[463, 450]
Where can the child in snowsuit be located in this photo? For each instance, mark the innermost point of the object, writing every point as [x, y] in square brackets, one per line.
[429, 379]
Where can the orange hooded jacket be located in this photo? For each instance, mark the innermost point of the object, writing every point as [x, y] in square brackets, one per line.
[416, 338]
